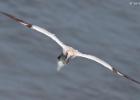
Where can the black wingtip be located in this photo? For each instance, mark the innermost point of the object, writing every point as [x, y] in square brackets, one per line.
[129, 78]
[115, 71]
[16, 19]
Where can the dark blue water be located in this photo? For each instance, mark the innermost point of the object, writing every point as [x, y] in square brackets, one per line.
[108, 29]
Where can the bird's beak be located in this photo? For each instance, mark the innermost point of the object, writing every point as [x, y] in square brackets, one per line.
[60, 65]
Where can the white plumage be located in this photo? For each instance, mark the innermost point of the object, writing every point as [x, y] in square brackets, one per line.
[68, 52]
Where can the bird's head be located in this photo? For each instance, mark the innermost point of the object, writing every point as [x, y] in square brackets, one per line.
[62, 61]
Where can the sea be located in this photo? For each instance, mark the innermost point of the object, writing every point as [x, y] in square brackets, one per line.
[108, 29]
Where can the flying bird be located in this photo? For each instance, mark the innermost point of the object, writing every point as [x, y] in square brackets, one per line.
[68, 52]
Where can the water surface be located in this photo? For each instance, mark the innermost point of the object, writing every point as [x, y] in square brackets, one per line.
[108, 29]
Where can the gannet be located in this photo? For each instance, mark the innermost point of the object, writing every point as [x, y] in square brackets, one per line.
[68, 52]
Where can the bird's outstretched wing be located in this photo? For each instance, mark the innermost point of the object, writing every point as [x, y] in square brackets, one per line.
[105, 64]
[37, 28]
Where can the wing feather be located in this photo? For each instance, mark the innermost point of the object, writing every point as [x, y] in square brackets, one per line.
[37, 28]
[107, 65]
